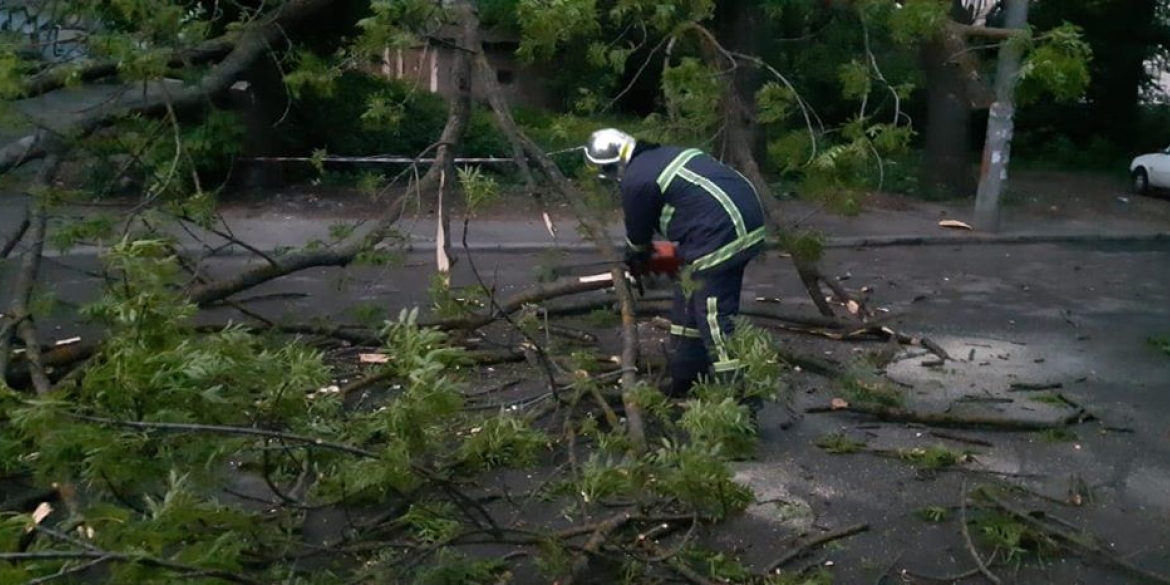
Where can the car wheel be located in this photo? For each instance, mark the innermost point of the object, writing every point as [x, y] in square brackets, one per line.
[1141, 181]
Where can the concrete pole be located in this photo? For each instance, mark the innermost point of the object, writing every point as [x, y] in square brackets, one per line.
[1000, 124]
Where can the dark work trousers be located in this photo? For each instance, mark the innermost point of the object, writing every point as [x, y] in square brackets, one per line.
[702, 325]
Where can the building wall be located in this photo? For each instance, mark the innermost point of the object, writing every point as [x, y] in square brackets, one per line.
[430, 67]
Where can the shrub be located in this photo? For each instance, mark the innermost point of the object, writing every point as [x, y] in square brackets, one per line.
[366, 115]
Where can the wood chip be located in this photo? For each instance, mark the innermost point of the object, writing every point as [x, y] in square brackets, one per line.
[373, 358]
[69, 341]
[43, 510]
[954, 223]
[838, 404]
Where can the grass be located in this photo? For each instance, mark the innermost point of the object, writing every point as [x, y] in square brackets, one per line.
[839, 443]
[1048, 398]
[933, 514]
[1013, 540]
[861, 388]
[933, 457]
[1160, 343]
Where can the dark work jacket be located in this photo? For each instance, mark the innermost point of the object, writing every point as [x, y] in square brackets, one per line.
[689, 197]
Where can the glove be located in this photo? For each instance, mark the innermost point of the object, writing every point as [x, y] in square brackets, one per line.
[637, 261]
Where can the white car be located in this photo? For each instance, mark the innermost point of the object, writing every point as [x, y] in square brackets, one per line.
[1150, 171]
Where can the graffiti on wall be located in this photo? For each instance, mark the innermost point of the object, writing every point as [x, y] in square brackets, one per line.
[44, 27]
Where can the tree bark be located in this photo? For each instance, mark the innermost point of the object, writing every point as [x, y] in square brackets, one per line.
[1000, 125]
[739, 134]
[945, 172]
[459, 108]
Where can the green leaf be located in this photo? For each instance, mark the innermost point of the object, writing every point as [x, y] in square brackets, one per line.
[774, 103]
[918, 21]
[855, 80]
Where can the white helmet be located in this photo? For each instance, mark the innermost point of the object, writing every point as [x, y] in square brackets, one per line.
[610, 149]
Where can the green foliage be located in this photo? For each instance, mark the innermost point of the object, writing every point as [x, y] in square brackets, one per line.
[862, 386]
[80, 231]
[432, 522]
[720, 422]
[855, 81]
[1011, 539]
[546, 25]
[775, 103]
[312, 73]
[805, 246]
[716, 565]
[697, 475]
[918, 21]
[818, 576]
[840, 443]
[791, 151]
[503, 440]
[479, 189]
[603, 318]
[332, 119]
[933, 514]
[932, 457]
[1047, 398]
[762, 368]
[1058, 67]
[455, 302]
[692, 92]
[1160, 343]
[455, 569]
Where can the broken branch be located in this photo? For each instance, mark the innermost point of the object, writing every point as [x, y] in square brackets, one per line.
[943, 419]
[808, 545]
[967, 538]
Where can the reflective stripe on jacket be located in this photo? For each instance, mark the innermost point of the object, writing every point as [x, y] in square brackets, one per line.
[689, 197]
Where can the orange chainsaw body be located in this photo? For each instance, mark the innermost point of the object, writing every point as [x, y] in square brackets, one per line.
[664, 259]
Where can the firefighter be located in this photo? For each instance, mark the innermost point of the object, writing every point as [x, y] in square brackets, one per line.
[714, 215]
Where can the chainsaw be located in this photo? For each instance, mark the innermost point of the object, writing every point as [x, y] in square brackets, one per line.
[664, 263]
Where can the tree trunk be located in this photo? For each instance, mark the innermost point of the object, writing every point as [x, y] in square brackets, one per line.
[945, 172]
[459, 109]
[1000, 125]
[738, 29]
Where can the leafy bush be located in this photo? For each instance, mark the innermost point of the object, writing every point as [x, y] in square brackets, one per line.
[361, 114]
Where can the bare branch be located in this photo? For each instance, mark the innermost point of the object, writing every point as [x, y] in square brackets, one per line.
[967, 538]
[17, 315]
[14, 238]
[105, 556]
[229, 430]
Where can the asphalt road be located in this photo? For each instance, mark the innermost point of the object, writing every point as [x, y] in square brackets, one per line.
[1079, 315]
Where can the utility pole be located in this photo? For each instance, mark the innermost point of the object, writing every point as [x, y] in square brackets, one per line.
[1000, 123]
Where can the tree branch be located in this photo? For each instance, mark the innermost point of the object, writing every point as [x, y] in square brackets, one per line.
[14, 238]
[17, 317]
[251, 45]
[187, 570]
[228, 430]
[967, 538]
[209, 293]
[812, 543]
[943, 419]
[55, 78]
